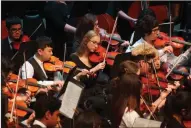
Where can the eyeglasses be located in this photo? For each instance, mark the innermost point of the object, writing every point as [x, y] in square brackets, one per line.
[14, 30]
[95, 43]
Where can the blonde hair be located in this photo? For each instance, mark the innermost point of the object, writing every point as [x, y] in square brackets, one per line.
[83, 45]
[144, 49]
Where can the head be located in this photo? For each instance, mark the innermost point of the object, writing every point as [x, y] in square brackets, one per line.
[143, 55]
[129, 67]
[148, 27]
[90, 42]
[6, 66]
[178, 104]
[87, 23]
[44, 48]
[14, 27]
[47, 109]
[156, 61]
[127, 94]
[88, 119]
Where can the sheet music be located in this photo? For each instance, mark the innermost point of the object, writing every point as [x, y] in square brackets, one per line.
[70, 99]
[141, 122]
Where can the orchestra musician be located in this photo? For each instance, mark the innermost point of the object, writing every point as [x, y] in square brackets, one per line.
[33, 68]
[15, 35]
[46, 111]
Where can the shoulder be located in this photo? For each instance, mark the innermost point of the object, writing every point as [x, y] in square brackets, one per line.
[129, 117]
[74, 56]
[4, 41]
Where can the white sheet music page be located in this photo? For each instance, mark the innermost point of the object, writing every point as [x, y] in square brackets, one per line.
[145, 123]
[70, 99]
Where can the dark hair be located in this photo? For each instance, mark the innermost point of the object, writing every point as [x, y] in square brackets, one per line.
[43, 42]
[145, 12]
[176, 103]
[46, 103]
[128, 67]
[85, 24]
[12, 21]
[125, 94]
[6, 66]
[138, 33]
[88, 119]
[146, 24]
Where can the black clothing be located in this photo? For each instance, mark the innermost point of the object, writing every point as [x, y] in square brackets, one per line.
[89, 82]
[57, 15]
[9, 53]
[118, 60]
[172, 123]
[38, 73]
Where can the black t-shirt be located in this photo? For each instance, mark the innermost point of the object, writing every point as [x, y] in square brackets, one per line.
[89, 82]
[57, 15]
[80, 8]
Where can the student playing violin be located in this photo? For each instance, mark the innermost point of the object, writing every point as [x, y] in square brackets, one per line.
[33, 68]
[88, 45]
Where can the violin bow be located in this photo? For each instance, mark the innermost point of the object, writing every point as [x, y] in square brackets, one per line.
[155, 72]
[15, 95]
[64, 59]
[151, 113]
[114, 27]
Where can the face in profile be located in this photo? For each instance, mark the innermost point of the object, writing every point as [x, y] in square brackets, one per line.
[154, 33]
[15, 31]
[156, 61]
[45, 53]
[52, 118]
[93, 43]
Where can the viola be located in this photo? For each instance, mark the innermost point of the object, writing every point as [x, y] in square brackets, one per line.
[173, 75]
[99, 55]
[21, 108]
[68, 65]
[151, 83]
[23, 39]
[163, 40]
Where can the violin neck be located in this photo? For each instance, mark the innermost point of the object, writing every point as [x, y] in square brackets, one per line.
[24, 109]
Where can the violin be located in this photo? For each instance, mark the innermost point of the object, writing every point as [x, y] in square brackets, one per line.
[175, 76]
[54, 61]
[21, 108]
[99, 55]
[23, 39]
[163, 40]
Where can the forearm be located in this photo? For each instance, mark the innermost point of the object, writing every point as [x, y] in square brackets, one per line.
[69, 28]
[125, 16]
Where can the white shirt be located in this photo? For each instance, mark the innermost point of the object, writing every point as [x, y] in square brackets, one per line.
[128, 118]
[36, 122]
[140, 41]
[135, 45]
[30, 71]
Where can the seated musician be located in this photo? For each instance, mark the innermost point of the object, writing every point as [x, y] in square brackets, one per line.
[15, 34]
[87, 23]
[176, 107]
[46, 111]
[88, 119]
[33, 68]
[88, 45]
[149, 30]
